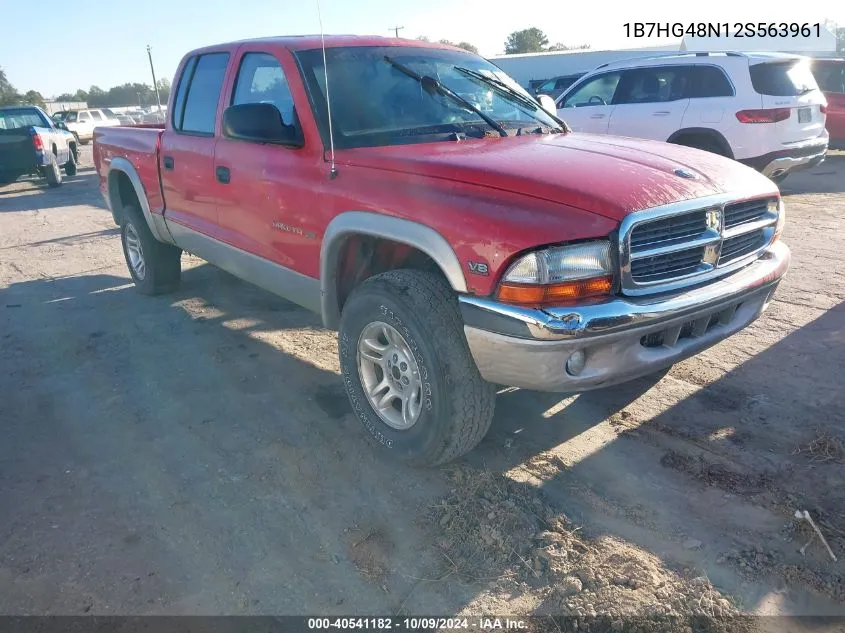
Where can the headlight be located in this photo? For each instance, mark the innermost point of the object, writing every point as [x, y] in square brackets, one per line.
[779, 208]
[559, 275]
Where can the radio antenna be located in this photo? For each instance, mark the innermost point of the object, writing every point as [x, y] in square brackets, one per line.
[333, 170]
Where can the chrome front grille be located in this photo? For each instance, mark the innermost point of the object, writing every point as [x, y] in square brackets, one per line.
[689, 242]
[674, 227]
[748, 211]
[742, 245]
[667, 265]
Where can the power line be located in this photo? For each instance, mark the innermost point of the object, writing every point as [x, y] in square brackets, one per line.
[396, 30]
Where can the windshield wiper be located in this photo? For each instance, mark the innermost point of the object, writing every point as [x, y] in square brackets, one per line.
[431, 85]
[501, 87]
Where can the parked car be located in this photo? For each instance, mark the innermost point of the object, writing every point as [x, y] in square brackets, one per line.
[82, 123]
[830, 75]
[556, 86]
[764, 110]
[454, 249]
[32, 143]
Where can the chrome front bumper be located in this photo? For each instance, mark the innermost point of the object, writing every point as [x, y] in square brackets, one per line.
[623, 338]
[788, 164]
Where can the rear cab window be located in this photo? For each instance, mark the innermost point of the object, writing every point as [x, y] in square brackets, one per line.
[783, 79]
[830, 76]
[195, 104]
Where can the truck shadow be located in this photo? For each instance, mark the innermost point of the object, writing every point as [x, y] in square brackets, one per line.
[726, 464]
[829, 177]
[28, 194]
[216, 412]
[221, 406]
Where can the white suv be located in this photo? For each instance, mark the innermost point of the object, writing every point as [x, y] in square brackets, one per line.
[762, 109]
[83, 122]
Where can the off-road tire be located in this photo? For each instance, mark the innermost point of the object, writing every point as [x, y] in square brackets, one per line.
[457, 402]
[163, 262]
[52, 173]
[70, 165]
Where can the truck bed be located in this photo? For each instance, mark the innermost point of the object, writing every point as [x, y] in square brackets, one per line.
[138, 145]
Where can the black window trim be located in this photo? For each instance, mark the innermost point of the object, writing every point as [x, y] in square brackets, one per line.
[197, 57]
[188, 69]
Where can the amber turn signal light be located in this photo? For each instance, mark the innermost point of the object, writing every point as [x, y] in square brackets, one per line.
[559, 293]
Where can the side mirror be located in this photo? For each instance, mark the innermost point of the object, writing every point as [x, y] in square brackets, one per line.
[548, 104]
[259, 123]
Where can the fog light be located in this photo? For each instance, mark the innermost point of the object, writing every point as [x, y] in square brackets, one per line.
[575, 363]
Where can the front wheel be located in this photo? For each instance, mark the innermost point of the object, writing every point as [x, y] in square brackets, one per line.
[70, 165]
[52, 172]
[408, 371]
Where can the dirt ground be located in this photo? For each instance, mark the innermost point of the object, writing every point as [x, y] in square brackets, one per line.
[196, 454]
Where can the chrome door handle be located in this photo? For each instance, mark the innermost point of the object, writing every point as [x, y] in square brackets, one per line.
[597, 116]
[660, 113]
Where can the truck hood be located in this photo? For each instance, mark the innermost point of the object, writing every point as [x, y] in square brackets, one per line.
[610, 176]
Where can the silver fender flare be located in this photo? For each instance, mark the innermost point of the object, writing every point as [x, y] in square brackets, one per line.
[156, 223]
[388, 227]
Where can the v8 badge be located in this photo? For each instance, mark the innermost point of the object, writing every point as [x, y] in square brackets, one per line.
[478, 268]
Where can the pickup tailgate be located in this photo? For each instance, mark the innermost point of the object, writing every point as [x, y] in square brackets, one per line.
[136, 145]
[17, 153]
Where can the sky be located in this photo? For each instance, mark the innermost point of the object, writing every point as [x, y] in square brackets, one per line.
[103, 42]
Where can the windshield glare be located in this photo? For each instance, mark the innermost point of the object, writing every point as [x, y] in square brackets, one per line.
[21, 118]
[374, 103]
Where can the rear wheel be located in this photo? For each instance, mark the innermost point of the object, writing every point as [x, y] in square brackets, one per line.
[408, 371]
[779, 178]
[156, 268]
[52, 172]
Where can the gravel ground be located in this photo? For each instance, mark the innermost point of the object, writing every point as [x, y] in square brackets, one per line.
[195, 453]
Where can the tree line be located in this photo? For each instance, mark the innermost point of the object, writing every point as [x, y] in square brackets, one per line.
[532, 40]
[125, 95]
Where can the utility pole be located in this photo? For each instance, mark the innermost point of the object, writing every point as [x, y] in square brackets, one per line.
[396, 30]
[153, 71]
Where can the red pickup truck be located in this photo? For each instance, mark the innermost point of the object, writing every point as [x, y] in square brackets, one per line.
[456, 234]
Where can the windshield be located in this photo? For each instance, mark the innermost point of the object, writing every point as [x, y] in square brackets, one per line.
[20, 118]
[374, 103]
[781, 79]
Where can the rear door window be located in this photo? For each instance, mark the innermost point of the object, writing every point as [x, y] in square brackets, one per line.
[783, 79]
[203, 94]
[96, 115]
[709, 81]
[657, 84]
